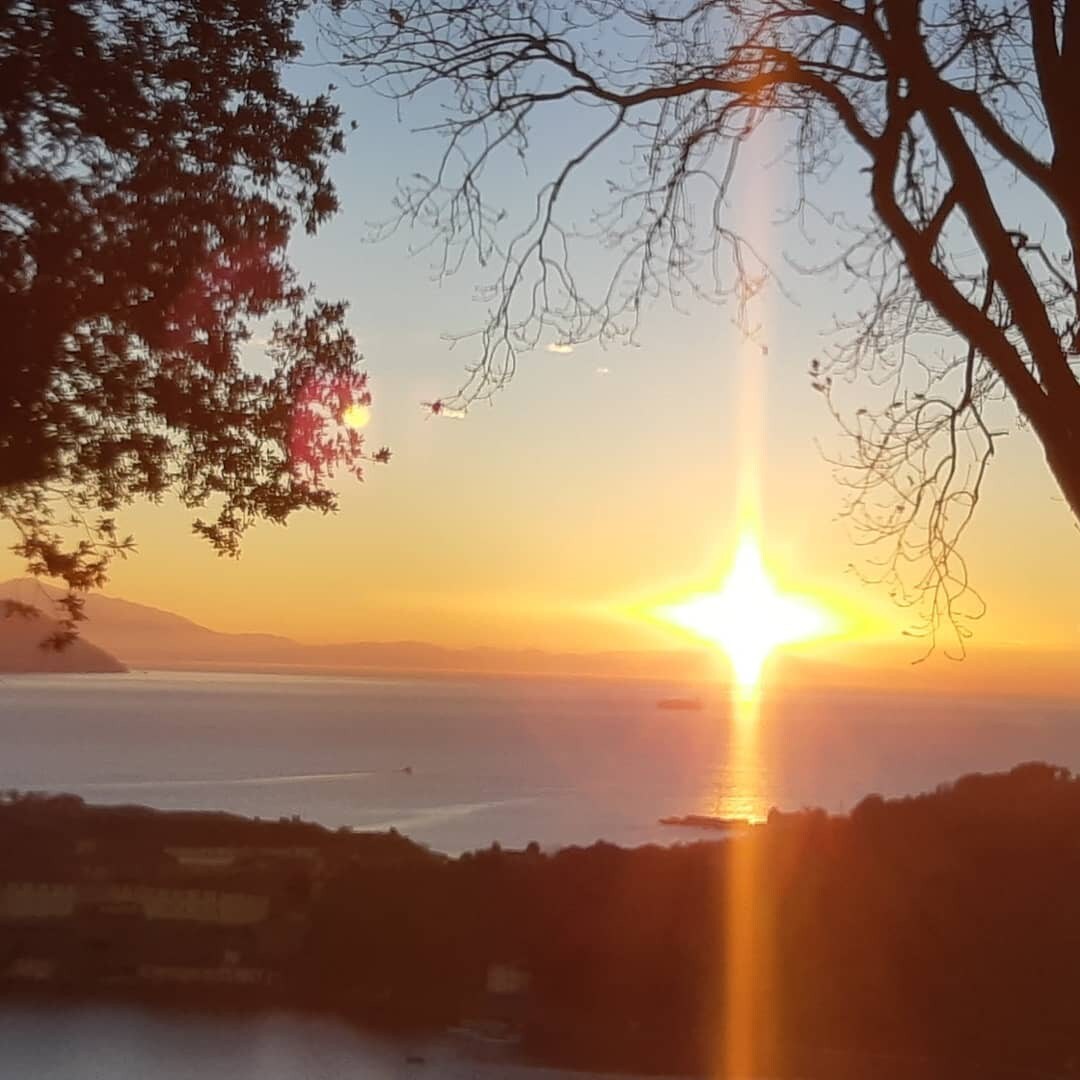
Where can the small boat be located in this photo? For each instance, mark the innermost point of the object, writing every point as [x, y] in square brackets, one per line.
[679, 703]
[496, 1032]
[707, 821]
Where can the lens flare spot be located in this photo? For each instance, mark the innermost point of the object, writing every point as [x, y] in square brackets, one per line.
[356, 416]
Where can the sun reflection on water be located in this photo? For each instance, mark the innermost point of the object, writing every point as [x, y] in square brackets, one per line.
[746, 967]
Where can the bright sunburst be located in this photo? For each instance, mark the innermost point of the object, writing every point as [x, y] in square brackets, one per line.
[749, 617]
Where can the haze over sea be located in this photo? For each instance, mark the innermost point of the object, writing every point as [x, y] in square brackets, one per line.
[495, 759]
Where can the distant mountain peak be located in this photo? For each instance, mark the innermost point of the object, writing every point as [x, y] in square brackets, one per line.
[24, 632]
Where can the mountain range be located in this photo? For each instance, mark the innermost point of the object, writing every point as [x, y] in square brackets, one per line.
[147, 637]
[118, 632]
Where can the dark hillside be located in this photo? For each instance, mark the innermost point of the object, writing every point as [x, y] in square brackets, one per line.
[933, 936]
[23, 648]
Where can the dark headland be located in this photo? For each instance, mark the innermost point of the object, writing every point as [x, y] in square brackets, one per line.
[926, 936]
[25, 646]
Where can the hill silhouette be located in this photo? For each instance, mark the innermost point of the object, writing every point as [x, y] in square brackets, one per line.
[931, 937]
[24, 648]
[147, 637]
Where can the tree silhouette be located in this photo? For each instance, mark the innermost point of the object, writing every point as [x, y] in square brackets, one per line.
[958, 115]
[152, 165]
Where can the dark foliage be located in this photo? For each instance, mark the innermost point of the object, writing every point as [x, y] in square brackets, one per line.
[152, 165]
[925, 937]
[928, 936]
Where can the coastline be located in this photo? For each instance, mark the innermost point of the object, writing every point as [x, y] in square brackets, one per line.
[595, 959]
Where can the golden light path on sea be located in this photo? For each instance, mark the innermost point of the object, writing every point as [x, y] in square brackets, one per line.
[748, 617]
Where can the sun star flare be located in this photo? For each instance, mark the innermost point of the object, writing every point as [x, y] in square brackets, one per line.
[748, 617]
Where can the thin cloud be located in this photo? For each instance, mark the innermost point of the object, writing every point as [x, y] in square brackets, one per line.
[560, 347]
[438, 408]
[603, 371]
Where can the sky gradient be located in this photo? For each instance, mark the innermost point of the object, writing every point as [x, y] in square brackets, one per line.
[599, 481]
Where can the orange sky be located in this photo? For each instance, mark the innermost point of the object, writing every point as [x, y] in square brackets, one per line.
[514, 528]
[599, 479]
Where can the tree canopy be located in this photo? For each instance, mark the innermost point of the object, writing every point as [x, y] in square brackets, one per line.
[152, 165]
[958, 116]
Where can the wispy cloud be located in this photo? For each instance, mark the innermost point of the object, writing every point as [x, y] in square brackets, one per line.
[603, 371]
[561, 347]
[438, 408]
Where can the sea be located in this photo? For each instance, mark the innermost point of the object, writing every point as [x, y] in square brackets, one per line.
[461, 763]
[110, 1041]
[455, 764]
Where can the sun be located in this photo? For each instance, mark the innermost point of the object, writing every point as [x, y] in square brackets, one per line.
[748, 617]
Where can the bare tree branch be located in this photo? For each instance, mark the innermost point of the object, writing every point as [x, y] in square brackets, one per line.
[939, 100]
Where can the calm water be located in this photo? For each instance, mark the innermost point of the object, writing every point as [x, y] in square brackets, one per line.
[122, 1042]
[511, 760]
[507, 760]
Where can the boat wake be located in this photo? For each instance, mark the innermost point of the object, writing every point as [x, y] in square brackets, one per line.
[237, 781]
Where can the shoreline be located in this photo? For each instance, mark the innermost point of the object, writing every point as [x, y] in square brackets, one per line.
[597, 959]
